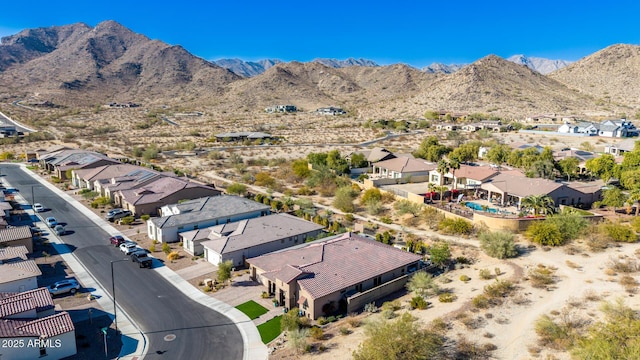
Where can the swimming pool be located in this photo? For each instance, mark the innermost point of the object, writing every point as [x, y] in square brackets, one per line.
[478, 207]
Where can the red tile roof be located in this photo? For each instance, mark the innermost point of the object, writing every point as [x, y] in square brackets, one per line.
[16, 303]
[49, 326]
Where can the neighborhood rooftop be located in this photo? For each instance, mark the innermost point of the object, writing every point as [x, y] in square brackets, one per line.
[209, 207]
[16, 303]
[333, 264]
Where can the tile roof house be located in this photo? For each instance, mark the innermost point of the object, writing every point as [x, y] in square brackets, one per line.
[510, 189]
[467, 177]
[36, 303]
[61, 161]
[85, 178]
[402, 167]
[13, 253]
[335, 273]
[247, 238]
[374, 155]
[19, 275]
[131, 180]
[200, 213]
[52, 337]
[621, 147]
[149, 198]
[17, 236]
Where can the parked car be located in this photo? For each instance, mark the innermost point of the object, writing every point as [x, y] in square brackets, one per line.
[59, 230]
[115, 214]
[128, 247]
[142, 258]
[63, 287]
[37, 207]
[116, 240]
[51, 221]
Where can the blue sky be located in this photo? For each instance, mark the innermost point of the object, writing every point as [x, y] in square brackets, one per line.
[412, 32]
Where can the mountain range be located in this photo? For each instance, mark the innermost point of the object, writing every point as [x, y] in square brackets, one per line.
[79, 65]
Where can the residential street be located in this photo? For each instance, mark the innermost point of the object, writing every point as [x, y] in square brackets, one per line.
[155, 304]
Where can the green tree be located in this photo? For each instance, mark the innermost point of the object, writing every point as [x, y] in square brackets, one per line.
[544, 233]
[317, 159]
[569, 167]
[422, 284]
[541, 169]
[407, 207]
[602, 166]
[337, 162]
[431, 149]
[613, 197]
[399, 339]
[264, 179]
[630, 179]
[237, 189]
[290, 320]
[224, 271]
[498, 244]
[300, 168]
[432, 115]
[634, 198]
[343, 199]
[540, 204]
[358, 161]
[498, 154]
[150, 152]
[570, 225]
[440, 254]
[372, 194]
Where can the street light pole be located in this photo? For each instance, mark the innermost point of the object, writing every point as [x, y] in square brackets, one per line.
[33, 198]
[113, 292]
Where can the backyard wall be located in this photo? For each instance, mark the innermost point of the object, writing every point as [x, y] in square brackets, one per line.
[371, 183]
[359, 300]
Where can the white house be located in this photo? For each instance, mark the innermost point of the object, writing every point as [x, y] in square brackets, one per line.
[238, 241]
[19, 276]
[52, 337]
[200, 213]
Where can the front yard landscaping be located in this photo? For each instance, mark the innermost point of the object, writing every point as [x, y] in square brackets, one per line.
[252, 309]
[270, 330]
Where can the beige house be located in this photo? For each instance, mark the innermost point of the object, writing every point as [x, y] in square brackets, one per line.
[132, 180]
[149, 198]
[17, 236]
[240, 240]
[60, 161]
[86, 178]
[467, 177]
[329, 275]
[19, 275]
[402, 167]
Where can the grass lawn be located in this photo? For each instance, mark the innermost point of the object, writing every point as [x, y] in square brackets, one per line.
[270, 330]
[252, 309]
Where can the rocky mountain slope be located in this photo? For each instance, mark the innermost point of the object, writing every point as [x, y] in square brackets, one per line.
[336, 64]
[439, 68]
[541, 65]
[112, 63]
[612, 75]
[246, 68]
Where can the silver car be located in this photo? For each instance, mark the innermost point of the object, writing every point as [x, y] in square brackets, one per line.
[63, 287]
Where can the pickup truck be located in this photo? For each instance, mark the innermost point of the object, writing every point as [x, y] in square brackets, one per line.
[142, 258]
[116, 214]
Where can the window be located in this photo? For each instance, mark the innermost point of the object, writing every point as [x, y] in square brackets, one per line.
[377, 281]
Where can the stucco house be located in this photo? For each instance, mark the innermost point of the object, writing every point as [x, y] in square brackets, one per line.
[19, 275]
[17, 236]
[240, 240]
[201, 213]
[620, 148]
[148, 199]
[131, 180]
[402, 167]
[52, 337]
[467, 177]
[61, 161]
[31, 304]
[86, 178]
[341, 273]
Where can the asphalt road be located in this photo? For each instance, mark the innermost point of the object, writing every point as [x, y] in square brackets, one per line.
[157, 307]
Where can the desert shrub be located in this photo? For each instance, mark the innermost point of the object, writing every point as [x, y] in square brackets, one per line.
[498, 244]
[499, 289]
[422, 284]
[174, 255]
[145, 217]
[623, 266]
[152, 248]
[544, 233]
[465, 349]
[392, 305]
[455, 226]
[635, 224]
[316, 333]
[571, 225]
[237, 189]
[619, 232]
[127, 220]
[388, 314]
[418, 302]
[322, 320]
[290, 320]
[371, 308]
[480, 302]
[371, 195]
[344, 331]
[386, 220]
[297, 340]
[541, 276]
[464, 278]
[166, 248]
[344, 199]
[447, 297]
[629, 283]
[206, 289]
[485, 274]
[353, 321]
[552, 334]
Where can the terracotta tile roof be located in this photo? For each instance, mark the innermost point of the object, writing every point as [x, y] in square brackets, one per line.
[49, 326]
[18, 270]
[406, 165]
[159, 189]
[9, 329]
[13, 253]
[105, 172]
[334, 264]
[16, 303]
[15, 233]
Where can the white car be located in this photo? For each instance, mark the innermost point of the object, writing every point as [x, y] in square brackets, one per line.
[37, 207]
[128, 247]
[51, 221]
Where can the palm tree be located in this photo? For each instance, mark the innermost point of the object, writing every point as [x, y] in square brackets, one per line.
[454, 164]
[443, 168]
[541, 204]
[441, 190]
[431, 187]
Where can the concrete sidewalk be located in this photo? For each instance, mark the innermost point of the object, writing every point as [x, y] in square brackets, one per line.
[252, 342]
